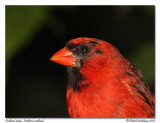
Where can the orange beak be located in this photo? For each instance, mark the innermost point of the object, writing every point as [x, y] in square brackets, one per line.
[64, 57]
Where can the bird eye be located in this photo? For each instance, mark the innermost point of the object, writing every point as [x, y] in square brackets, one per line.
[84, 49]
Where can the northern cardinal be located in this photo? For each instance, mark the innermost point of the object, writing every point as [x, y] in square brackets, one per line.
[102, 83]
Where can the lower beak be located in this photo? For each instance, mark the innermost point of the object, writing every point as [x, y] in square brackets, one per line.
[64, 57]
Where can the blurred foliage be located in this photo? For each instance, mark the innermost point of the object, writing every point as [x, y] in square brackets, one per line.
[21, 23]
[36, 86]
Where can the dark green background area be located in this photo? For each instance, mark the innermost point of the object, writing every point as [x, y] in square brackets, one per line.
[35, 86]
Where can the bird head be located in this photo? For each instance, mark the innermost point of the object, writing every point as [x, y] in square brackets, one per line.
[86, 57]
[80, 51]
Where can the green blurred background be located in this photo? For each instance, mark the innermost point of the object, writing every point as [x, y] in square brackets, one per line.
[35, 86]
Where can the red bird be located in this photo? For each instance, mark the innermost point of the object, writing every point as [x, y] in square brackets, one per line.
[102, 83]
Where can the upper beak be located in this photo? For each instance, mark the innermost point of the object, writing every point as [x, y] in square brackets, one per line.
[64, 57]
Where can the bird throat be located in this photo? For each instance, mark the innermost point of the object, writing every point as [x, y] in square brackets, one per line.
[75, 78]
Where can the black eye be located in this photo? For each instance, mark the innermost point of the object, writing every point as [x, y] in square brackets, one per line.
[84, 49]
